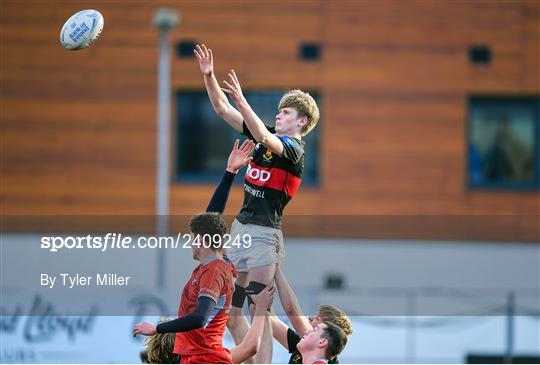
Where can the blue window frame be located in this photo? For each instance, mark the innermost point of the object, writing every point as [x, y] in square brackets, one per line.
[204, 140]
[504, 142]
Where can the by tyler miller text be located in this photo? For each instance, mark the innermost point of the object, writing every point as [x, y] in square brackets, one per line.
[77, 280]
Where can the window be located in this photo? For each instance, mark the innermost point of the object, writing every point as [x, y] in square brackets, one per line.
[503, 142]
[204, 140]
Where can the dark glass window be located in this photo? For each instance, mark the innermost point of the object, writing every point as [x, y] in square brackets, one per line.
[204, 140]
[503, 142]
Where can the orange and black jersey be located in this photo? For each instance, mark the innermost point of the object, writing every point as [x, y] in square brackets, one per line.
[271, 181]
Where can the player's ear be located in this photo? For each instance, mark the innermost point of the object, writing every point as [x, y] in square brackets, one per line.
[302, 122]
[323, 342]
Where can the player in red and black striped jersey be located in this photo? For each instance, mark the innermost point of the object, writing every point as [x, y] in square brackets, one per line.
[272, 179]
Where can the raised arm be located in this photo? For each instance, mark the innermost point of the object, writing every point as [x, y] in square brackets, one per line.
[238, 158]
[279, 330]
[253, 122]
[219, 100]
[290, 304]
[250, 344]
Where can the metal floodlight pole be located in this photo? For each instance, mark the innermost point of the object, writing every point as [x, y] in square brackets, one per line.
[164, 20]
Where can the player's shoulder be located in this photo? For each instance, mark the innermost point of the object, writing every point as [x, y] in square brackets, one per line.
[293, 150]
[292, 141]
[223, 266]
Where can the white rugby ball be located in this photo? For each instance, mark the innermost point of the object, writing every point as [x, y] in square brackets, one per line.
[81, 30]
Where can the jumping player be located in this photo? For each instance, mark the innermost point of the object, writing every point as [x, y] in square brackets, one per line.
[272, 179]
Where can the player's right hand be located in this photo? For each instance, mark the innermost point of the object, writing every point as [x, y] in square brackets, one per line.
[206, 60]
[144, 328]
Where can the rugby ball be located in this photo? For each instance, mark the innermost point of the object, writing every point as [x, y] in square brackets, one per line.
[81, 30]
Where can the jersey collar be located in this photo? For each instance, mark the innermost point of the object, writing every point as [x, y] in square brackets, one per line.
[209, 260]
[320, 360]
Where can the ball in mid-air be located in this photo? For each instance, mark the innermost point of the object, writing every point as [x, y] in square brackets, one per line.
[81, 30]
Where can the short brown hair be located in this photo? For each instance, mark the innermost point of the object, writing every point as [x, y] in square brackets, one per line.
[337, 339]
[160, 347]
[305, 105]
[209, 225]
[329, 313]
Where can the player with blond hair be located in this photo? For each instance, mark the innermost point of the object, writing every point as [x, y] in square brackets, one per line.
[271, 181]
[159, 347]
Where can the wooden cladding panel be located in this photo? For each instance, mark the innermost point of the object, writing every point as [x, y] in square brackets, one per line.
[78, 128]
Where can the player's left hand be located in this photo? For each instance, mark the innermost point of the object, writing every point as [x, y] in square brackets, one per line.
[233, 88]
[144, 328]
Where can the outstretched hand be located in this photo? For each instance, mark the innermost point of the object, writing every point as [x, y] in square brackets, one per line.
[233, 88]
[144, 328]
[206, 59]
[239, 157]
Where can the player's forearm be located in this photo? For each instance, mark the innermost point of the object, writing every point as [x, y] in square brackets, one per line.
[184, 324]
[288, 298]
[253, 337]
[251, 342]
[217, 96]
[192, 321]
[253, 122]
[221, 194]
[279, 329]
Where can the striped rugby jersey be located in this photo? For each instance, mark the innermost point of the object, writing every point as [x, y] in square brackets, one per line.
[271, 181]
